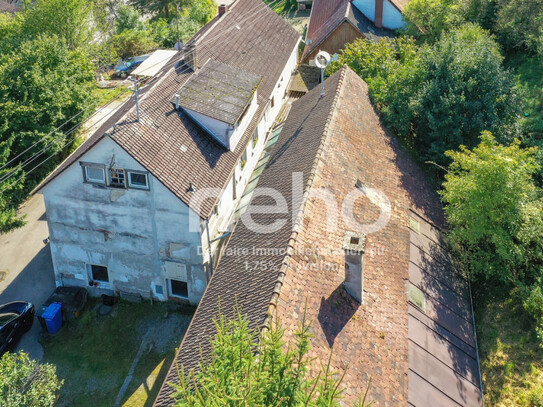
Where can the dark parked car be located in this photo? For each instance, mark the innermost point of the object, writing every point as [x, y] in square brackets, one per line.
[16, 318]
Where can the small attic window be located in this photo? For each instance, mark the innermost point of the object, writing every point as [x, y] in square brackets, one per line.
[417, 297]
[414, 224]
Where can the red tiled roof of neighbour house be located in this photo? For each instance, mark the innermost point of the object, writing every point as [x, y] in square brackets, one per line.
[250, 37]
[327, 15]
[6, 7]
[413, 356]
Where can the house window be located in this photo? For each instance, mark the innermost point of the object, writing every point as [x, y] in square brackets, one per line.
[234, 186]
[273, 101]
[99, 273]
[138, 180]
[417, 297]
[244, 159]
[117, 178]
[255, 138]
[414, 224]
[94, 173]
[179, 289]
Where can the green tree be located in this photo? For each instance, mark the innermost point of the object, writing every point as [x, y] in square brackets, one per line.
[43, 84]
[495, 211]
[128, 19]
[70, 20]
[132, 43]
[252, 368]
[519, 24]
[25, 382]
[465, 90]
[393, 71]
[427, 19]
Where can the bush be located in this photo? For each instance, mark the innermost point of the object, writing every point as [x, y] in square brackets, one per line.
[25, 382]
[495, 211]
[252, 368]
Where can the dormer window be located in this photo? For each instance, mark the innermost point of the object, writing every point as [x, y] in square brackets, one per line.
[221, 99]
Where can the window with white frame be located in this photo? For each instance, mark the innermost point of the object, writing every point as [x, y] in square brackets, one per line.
[94, 173]
[138, 179]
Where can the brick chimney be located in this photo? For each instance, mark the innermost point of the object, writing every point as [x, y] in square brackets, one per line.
[379, 13]
[223, 9]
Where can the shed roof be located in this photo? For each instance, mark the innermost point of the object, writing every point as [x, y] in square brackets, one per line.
[219, 91]
[327, 15]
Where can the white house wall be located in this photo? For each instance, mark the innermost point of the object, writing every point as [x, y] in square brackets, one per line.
[136, 233]
[228, 202]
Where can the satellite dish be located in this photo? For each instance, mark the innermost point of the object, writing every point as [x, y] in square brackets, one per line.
[323, 59]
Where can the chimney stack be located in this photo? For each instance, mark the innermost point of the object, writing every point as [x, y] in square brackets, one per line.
[354, 245]
[379, 13]
[177, 102]
[223, 9]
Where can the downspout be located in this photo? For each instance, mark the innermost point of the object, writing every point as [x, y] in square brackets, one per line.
[209, 249]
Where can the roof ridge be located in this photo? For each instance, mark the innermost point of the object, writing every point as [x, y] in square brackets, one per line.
[299, 217]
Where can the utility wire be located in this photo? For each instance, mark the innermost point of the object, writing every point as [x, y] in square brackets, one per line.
[207, 40]
[10, 175]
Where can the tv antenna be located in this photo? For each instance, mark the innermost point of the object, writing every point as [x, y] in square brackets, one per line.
[322, 60]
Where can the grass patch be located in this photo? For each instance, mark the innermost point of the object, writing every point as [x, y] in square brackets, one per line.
[529, 75]
[511, 356]
[93, 354]
[106, 95]
[282, 6]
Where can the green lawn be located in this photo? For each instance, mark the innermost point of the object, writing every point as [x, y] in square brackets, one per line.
[105, 95]
[511, 356]
[529, 75]
[93, 354]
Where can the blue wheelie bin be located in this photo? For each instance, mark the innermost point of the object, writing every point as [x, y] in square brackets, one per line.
[53, 317]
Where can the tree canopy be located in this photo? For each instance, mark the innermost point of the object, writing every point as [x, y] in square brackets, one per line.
[252, 368]
[25, 382]
[495, 210]
[438, 96]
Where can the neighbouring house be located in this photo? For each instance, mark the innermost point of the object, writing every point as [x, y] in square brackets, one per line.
[384, 13]
[380, 288]
[335, 23]
[304, 4]
[8, 7]
[140, 207]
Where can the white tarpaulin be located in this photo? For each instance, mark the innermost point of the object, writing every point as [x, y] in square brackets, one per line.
[152, 65]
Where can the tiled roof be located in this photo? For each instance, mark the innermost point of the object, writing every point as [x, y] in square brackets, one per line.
[413, 356]
[6, 7]
[219, 91]
[235, 281]
[250, 37]
[327, 15]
